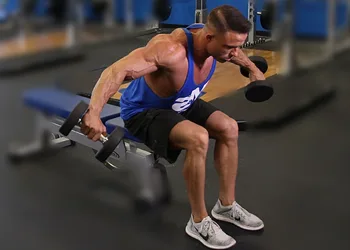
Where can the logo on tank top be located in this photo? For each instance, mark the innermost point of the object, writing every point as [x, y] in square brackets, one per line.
[183, 103]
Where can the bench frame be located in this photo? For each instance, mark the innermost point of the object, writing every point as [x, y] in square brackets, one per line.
[129, 155]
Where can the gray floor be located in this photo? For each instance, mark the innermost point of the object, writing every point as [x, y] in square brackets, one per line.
[295, 178]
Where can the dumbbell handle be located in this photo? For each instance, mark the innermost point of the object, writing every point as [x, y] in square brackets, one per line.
[102, 139]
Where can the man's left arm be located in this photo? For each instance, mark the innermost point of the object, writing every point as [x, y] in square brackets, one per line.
[242, 60]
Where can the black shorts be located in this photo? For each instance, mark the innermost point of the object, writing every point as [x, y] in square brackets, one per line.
[153, 126]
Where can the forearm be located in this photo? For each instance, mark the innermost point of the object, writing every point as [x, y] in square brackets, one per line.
[250, 65]
[243, 60]
[107, 85]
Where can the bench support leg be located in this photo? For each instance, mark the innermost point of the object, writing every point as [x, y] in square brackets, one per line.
[151, 183]
[45, 142]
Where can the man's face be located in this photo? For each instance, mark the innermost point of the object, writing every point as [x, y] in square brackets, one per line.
[224, 46]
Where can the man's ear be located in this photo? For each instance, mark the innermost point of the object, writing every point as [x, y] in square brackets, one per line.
[209, 37]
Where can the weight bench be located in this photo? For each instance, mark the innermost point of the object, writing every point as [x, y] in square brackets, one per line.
[54, 108]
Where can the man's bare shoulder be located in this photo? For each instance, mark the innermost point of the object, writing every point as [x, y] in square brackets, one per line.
[169, 48]
[177, 39]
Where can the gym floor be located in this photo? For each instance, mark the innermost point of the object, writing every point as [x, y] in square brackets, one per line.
[294, 178]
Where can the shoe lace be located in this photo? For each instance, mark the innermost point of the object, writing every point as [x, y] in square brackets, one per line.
[240, 211]
[211, 227]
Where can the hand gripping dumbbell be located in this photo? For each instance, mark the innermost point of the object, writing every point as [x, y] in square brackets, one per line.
[260, 90]
[109, 143]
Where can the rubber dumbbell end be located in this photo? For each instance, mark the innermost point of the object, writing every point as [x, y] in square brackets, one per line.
[259, 91]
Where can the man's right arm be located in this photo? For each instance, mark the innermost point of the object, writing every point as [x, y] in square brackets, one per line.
[141, 59]
[159, 52]
[138, 63]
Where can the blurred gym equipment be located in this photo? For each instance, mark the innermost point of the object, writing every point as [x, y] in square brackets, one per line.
[75, 26]
[301, 53]
[59, 113]
[33, 49]
[304, 45]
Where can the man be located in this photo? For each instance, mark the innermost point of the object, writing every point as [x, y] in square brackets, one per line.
[162, 108]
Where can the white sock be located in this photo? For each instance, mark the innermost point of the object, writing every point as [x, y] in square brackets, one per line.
[197, 224]
[222, 206]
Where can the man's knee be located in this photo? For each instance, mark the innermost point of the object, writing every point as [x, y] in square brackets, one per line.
[198, 141]
[229, 130]
[191, 137]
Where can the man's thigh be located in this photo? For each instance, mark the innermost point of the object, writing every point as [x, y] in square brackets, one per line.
[200, 111]
[153, 127]
[210, 117]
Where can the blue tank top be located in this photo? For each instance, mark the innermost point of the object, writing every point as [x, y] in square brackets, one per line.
[138, 97]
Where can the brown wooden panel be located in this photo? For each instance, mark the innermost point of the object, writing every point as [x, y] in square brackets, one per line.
[33, 43]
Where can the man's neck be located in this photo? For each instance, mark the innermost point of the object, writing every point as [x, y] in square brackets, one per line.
[199, 47]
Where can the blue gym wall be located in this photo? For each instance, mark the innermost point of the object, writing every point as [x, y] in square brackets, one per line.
[182, 12]
[142, 10]
[310, 15]
[12, 6]
[241, 5]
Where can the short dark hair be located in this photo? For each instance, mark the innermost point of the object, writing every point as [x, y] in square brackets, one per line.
[226, 18]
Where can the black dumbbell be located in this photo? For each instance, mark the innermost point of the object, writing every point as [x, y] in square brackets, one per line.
[267, 14]
[162, 9]
[261, 90]
[260, 63]
[109, 143]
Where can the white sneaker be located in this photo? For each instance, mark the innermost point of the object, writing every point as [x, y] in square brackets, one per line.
[237, 215]
[209, 233]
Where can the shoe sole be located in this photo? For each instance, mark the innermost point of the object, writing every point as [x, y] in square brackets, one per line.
[193, 235]
[225, 219]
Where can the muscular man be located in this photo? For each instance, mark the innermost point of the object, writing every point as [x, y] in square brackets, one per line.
[161, 106]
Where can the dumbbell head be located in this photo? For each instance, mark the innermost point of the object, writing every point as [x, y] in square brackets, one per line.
[267, 15]
[74, 118]
[260, 63]
[162, 9]
[110, 144]
[259, 91]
